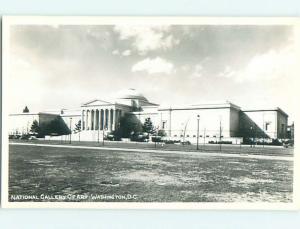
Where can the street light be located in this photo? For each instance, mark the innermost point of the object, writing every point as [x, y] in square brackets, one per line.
[198, 120]
[98, 134]
[104, 128]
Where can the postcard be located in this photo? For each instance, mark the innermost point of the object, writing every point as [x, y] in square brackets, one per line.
[150, 112]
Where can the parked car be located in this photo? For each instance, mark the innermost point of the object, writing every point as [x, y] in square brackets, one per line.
[185, 143]
[32, 138]
[25, 137]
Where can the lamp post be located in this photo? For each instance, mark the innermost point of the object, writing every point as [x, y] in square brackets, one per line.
[251, 132]
[204, 138]
[220, 140]
[70, 130]
[198, 120]
[98, 134]
[263, 127]
[103, 132]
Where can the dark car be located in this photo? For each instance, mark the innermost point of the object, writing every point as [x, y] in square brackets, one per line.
[185, 143]
[25, 137]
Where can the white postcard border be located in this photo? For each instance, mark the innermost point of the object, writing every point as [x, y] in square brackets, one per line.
[7, 21]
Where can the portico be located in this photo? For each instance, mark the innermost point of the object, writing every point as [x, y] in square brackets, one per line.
[100, 118]
[102, 115]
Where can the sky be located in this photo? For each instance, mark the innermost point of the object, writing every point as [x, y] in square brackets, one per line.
[64, 66]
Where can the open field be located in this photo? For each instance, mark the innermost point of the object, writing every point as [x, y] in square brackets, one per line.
[39, 170]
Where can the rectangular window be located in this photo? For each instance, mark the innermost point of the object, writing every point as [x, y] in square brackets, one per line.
[266, 126]
[164, 125]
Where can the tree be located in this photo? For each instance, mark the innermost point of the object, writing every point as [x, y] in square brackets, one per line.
[26, 110]
[56, 126]
[148, 126]
[129, 125]
[161, 133]
[35, 127]
[77, 127]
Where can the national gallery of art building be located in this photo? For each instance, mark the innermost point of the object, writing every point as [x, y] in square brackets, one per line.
[215, 121]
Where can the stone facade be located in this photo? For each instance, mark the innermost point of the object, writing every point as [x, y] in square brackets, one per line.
[219, 121]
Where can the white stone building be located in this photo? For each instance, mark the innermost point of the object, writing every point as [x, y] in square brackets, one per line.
[219, 121]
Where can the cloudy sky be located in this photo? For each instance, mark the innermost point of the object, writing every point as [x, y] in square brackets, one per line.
[55, 67]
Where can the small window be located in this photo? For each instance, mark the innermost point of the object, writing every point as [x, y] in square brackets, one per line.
[194, 136]
[200, 136]
[175, 135]
[188, 135]
[214, 136]
[267, 125]
[181, 135]
[207, 136]
[164, 124]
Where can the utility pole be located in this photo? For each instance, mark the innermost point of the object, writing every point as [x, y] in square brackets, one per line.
[254, 136]
[103, 136]
[70, 130]
[204, 138]
[251, 134]
[220, 134]
[198, 119]
[263, 130]
[98, 135]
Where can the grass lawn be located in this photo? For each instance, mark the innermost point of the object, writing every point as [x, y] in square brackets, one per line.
[36, 170]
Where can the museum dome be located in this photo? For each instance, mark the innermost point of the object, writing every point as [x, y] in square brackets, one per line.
[131, 94]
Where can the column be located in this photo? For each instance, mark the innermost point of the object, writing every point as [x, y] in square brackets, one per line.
[104, 118]
[91, 120]
[109, 119]
[101, 119]
[95, 119]
[118, 118]
[82, 119]
[87, 120]
[98, 120]
[114, 120]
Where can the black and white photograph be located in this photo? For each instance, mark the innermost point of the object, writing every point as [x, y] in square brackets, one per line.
[150, 112]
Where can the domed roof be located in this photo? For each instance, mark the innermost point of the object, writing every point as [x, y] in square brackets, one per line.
[131, 94]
